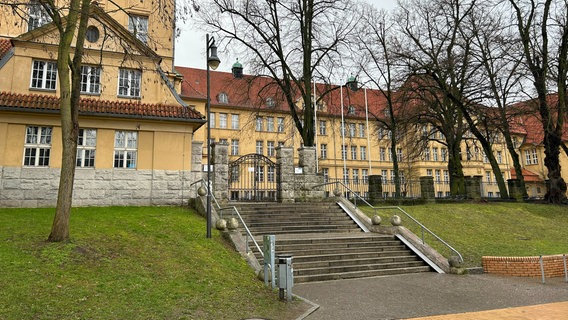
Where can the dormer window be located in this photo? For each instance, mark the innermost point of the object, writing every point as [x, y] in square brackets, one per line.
[138, 25]
[223, 98]
[37, 16]
[270, 102]
[351, 110]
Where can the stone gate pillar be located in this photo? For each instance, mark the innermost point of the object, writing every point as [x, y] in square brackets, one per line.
[220, 173]
[308, 184]
[375, 188]
[285, 180]
[427, 187]
[473, 187]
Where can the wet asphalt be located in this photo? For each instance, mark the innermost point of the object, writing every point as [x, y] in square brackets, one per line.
[426, 294]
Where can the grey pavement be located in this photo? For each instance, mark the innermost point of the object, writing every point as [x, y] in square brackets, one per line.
[426, 294]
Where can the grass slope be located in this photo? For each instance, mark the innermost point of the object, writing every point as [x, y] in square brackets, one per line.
[499, 229]
[126, 263]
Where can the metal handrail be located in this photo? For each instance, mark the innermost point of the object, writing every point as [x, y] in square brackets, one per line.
[235, 210]
[422, 227]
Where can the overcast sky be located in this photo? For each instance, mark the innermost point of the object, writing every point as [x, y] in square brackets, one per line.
[190, 46]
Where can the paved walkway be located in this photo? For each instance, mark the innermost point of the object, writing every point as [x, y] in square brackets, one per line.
[434, 295]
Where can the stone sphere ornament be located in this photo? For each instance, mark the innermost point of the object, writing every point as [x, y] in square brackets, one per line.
[376, 220]
[396, 220]
[336, 192]
[232, 224]
[221, 224]
[201, 191]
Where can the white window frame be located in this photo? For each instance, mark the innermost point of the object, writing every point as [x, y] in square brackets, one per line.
[91, 79]
[44, 75]
[129, 83]
[37, 146]
[323, 151]
[270, 124]
[361, 130]
[270, 149]
[260, 147]
[138, 26]
[353, 152]
[363, 151]
[223, 117]
[235, 122]
[259, 124]
[234, 147]
[322, 128]
[280, 124]
[86, 148]
[125, 149]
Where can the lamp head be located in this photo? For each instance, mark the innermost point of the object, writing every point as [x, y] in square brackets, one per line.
[213, 60]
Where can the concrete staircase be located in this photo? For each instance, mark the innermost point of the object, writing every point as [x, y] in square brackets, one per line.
[326, 244]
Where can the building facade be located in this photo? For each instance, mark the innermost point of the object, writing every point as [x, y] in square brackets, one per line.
[135, 143]
[250, 117]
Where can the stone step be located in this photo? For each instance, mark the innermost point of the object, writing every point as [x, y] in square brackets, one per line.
[358, 274]
[287, 223]
[330, 251]
[353, 268]
[352, 262]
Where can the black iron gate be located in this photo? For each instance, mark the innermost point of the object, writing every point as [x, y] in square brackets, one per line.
[253, 177]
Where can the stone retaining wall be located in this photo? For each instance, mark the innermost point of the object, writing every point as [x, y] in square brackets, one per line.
[524, 266]
[37, 187]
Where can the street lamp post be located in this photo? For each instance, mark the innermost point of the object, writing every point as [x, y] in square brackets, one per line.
[212, 62]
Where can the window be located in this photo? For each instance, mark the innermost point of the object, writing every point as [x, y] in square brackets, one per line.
[260, 147]
[446, 176]
[468, 153]
[389, 151]
[353, 152]
[355, 176]
[223, 141]
[323, 151]
[44, 75]
[325, 172]
[361, 130]
[322, 128]
[531, 157]
[270, 151]
[212, 120]
[86, 145]
[223, 98]
[343, 152]
[90, 79]
[444, 154]
[92, 34]
[365, 175]
[129, 83]
[438, 176]
[399, 154]
[222, 120]
[37, 148]
[352, 129]
[280, 124]
[271, 177]
[37, 16]
[426, 154]
[270, 102]
[138, 25]
[346, 176]
[488, 176]
[435, 154]
[363, 152]
[429, 172]
[393, 176]
[351, 110]
[259, 174]
[234, 147]
[382, 154]
[235, 122]
[385, 175]
[499, 157]
[259, 124]
[342, 128]
[125, 149]
[270, 124]
[381, 133]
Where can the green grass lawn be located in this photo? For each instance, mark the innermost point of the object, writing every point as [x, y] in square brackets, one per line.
[500, 229]
[126, 263]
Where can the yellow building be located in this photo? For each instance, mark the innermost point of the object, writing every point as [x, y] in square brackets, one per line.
[136, 134]
[251, 117]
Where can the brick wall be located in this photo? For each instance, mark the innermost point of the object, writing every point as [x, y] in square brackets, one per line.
[524, 266]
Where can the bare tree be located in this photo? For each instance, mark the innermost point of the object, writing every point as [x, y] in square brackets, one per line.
[288, 41]
[441, 50]
[543, 31]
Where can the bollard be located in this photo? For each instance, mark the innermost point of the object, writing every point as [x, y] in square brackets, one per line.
[269, 244]
[542, 269]
[285, 277]
[565, 271]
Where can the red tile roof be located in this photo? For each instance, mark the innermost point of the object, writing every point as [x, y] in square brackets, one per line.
[42, 102]
[529, 176]
[5, 46]
[252, 92]
[528, 120]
